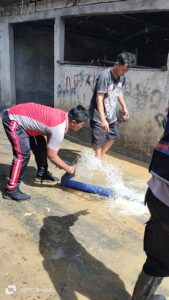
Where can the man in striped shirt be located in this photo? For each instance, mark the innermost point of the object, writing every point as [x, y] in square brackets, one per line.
[32, 119]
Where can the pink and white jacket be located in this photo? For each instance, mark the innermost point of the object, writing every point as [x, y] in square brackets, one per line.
[38, 119]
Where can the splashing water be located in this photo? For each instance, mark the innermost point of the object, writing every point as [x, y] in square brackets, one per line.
[92, 170]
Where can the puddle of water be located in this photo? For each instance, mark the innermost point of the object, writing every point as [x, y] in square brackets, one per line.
[129, 193]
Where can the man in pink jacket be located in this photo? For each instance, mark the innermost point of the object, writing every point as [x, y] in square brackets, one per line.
[32, 119]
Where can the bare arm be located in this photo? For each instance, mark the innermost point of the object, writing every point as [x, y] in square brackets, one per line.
[56, 160]
[123, 106]
[100, 108]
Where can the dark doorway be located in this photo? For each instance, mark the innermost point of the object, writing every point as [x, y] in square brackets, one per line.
[34, 62]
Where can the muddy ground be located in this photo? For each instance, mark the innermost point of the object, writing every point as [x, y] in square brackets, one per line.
[66, 244]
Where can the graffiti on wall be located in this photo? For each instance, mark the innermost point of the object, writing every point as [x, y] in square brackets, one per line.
[159, 118]
[77, 88]
[145, 94]
[145, 102]
[144, 99]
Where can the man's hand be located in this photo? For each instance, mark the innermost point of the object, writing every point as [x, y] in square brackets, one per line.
[105, 125]
[58, 162]
[100, 108]
[71, 170]
[125, 114]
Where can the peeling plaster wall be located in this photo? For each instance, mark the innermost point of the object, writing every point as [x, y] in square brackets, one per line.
[145, 95]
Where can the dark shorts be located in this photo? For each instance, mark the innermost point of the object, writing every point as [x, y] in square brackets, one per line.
[156, 237]
[99, 136]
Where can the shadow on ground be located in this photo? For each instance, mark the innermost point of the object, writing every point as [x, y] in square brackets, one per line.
[29, 180]
[71, 268]
[70, 156]
[4, 173]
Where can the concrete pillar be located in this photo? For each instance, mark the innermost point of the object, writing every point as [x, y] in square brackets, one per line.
[7, 71]
[59, 40]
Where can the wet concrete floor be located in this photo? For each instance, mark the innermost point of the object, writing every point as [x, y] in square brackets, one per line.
[70, 245]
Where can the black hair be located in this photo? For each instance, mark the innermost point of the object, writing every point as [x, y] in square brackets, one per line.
[79, 114]
[126, 58]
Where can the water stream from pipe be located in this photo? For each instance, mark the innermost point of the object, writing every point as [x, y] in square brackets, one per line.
[129, 190]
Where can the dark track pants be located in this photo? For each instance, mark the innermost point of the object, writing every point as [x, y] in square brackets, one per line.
[156, 238]
[19, 140]
[39, 149]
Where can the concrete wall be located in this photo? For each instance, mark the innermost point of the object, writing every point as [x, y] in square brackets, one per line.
[47, 8]
[76, 85]
[0, 72]
[7, 76]
[145, 95]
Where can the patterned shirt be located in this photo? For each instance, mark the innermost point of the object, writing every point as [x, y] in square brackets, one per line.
[111, 87]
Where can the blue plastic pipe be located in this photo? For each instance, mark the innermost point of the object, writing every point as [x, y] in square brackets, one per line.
[66, 181]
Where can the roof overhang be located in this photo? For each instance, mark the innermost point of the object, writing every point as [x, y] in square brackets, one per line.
[4, 3]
